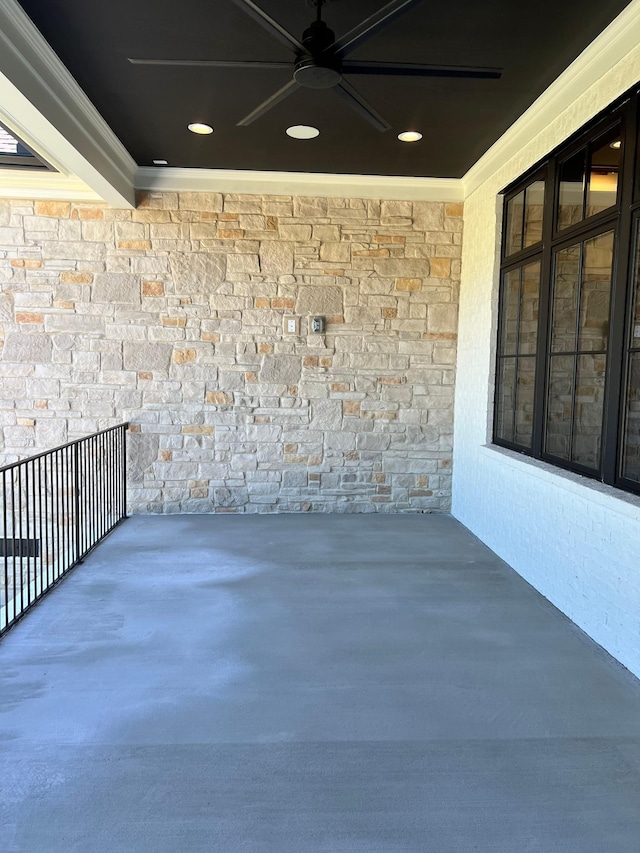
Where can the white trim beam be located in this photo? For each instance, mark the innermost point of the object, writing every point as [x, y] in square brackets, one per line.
[42, 104]
[299, 183]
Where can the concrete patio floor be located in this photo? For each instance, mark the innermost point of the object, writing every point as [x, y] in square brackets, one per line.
[334, 683]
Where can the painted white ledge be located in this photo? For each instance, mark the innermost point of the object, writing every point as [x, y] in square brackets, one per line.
[42, 103]
[605, 51]
[168, 179]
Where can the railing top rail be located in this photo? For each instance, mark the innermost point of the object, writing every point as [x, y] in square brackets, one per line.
[28, 459]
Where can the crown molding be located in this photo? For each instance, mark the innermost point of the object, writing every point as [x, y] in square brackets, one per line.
[41, 184]
[165, 179]
[605, 51]
[43, 104]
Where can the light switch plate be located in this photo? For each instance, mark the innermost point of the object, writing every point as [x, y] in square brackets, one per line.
[291, 325]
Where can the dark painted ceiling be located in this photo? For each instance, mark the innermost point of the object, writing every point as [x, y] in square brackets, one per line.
[150, 107]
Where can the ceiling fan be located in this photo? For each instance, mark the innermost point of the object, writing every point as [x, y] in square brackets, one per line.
[320, 59]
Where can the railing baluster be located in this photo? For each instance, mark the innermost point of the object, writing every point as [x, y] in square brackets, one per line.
[5, 533]
[56, 507]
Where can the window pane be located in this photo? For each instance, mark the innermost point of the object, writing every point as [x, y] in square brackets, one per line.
[533, 209]
[559, 406]
[571, 199]
[631, 447]
[524, 401]
[635, 317]
[565, 299]
[587, 430]
[505, 398]
[510, 299]
[605, 167]
[529, 303]
[595, 293]
[514, 224]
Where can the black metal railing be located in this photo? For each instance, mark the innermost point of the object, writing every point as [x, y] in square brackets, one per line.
[55, 508]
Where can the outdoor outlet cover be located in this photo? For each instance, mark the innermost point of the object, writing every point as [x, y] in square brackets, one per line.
[317, 325]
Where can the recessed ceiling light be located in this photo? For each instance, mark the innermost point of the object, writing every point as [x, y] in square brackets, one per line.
[198, 127]
[616, 144]
[409, 136]
[160, 162]
[302, 131]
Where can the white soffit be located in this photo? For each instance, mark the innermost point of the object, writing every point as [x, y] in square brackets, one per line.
[299, 183]
[43, 105]
[605, 51]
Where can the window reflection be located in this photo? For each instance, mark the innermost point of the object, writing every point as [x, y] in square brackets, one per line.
[579, 341]
[571, 199]
[603, 175]
[524, 218]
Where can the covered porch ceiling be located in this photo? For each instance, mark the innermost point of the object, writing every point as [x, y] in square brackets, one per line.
[69, 89]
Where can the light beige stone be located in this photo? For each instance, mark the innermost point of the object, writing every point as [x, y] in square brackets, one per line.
[243, 264]
[211, 202]
[442, 317]
[280, 369]
[116, 287]
[276, 258]
[402, 267]
[34, 349]
[197, 272]
[142, 355]
[324, 301]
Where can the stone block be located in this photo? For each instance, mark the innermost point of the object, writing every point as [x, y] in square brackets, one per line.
[142, 452]
[116, 287]
[210, 202]
[59, 209]
[98, 232]
[280, 369]
[276, 258]
[225, 497]
[243, 264]
[326, 415]
[197, 272]
[324, 301]
[81, 324]
[402, 267]
[6, 307]
[402, 209]
[428, 216]
[335, 252]
[33, 349]
[294, 231]
[143, 355]
[442, 317]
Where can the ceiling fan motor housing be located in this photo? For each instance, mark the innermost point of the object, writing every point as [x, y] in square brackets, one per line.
[321, 69]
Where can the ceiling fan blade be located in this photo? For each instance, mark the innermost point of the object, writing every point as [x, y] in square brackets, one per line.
[416, 69]
[390, 11]
[212, 63]
[271, 26]
[361, 106]
[265, 106]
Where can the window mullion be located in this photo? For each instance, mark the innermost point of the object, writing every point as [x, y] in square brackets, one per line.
[544, 310]
[614, 392]
[576, 357]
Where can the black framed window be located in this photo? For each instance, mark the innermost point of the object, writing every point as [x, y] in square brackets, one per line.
[568, 351]
[630, 462]
[15, 154]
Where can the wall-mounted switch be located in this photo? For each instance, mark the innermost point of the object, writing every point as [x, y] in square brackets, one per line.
[291, 325]
[317, 325]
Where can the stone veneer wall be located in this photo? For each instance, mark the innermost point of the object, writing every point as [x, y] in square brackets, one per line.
[171, 316]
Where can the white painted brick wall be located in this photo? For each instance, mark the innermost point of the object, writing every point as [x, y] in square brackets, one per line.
[574, 540]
